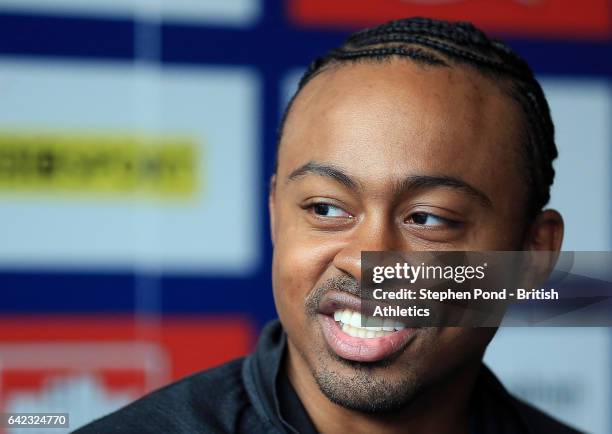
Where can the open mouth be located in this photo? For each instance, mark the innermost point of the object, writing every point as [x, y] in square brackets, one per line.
[359, 338]
[351, 323]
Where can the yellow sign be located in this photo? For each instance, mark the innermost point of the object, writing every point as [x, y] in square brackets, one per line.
[98, 163]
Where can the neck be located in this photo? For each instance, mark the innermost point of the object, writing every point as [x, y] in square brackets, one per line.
[441, 409]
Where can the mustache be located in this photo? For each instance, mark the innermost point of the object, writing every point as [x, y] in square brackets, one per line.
[342, 283]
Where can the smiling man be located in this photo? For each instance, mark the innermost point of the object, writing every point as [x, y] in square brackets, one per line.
[417, 135]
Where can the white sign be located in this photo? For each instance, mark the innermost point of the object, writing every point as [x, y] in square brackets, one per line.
[212, 228]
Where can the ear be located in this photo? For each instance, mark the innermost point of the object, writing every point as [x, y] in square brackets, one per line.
[272, 206]
[543, 240]
[546, 232]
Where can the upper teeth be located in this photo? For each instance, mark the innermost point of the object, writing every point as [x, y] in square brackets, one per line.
[352, 318]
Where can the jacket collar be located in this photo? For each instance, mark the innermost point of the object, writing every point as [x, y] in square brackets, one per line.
[260, 371]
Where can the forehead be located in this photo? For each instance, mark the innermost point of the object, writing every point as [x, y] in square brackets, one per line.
[391, 119]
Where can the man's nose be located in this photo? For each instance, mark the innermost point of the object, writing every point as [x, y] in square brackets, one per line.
[372, 236]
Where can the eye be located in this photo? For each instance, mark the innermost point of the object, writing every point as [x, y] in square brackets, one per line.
[327, 210]
[430, 220]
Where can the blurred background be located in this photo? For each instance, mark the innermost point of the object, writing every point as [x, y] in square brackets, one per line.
[136, 142]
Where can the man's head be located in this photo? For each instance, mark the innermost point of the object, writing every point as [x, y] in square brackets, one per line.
[415, 135]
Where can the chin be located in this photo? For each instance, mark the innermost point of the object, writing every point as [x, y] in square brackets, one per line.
[366, 387]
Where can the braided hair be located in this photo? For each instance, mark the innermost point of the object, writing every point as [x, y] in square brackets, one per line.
[443, 44]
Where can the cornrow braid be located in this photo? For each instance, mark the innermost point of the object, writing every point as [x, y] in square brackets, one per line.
[435, 43]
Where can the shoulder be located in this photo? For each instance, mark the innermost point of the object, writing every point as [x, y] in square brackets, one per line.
[207, 400]
[540, 422]
[503, 410]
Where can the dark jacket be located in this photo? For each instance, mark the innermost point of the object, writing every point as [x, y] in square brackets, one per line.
[242, 397]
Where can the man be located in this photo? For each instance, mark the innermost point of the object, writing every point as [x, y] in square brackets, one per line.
[414, 135]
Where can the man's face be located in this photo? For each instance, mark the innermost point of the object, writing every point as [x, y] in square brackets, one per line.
[388, 156]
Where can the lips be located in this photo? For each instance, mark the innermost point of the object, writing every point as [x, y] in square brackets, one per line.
[341, 323]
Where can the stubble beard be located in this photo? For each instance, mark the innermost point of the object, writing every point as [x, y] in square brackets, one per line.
[359, 386]
[366, 388]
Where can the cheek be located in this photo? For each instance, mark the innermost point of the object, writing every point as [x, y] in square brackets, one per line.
[492, 239]
[506, 233]
[302, 256]
[299, 264]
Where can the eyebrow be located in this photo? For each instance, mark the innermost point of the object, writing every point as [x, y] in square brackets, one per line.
[410, 183]
[415, 182]
[327, 170]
